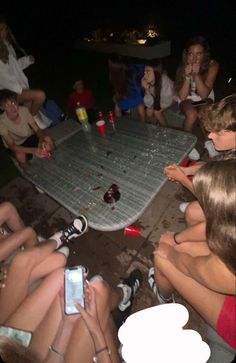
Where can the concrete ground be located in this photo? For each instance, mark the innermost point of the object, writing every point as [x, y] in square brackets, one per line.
[110, 254]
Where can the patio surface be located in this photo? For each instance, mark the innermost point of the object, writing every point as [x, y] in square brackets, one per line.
[110, 254]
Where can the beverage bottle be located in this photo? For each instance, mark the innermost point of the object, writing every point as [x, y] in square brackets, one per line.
[83, 118]
[111, 119]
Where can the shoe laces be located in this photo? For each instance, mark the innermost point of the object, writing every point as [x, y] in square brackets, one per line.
[70, 230]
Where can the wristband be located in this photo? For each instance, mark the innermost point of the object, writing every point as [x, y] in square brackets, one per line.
[102, 350]
[174, 237]
[53, 350]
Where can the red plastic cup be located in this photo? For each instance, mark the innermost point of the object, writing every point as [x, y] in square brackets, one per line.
[101, 127]
[132, 230]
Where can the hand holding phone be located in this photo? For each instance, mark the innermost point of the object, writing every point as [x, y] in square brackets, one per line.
[74, 289]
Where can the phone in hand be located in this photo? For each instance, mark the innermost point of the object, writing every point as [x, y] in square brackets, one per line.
[74, 288]
[20, 336]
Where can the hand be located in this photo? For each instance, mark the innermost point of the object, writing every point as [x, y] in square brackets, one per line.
[188, 70]
[174, 173]
[90, 315]
[196, 67]
[38, 152]
[48, 142]
[168, 238]
[165, 251]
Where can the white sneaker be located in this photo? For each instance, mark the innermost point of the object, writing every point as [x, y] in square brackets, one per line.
[211, 148]
[194, 155]
[64, 250]
[183, 206]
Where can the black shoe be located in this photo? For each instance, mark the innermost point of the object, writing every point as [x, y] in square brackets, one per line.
[130, 286]
[78, 227]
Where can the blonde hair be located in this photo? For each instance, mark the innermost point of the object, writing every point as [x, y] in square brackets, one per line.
[221, 115]
[12, 352]
[215, 188]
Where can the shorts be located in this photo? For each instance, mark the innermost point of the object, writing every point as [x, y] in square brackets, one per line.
[226, 324]
[31, 141]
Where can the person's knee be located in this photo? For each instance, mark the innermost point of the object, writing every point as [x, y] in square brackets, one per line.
[40, 96]
[191, 115]
[8, 209]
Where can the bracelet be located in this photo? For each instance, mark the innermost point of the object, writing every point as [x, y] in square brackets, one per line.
[53, 350]
[174, 237]
[97, 352]
[188, 78]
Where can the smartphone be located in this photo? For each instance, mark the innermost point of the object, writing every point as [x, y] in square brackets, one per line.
[74, 288]
[20, 336]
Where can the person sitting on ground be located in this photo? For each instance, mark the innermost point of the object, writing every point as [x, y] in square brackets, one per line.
[70, 338]
[195, 78]
[158, 92]
[11, 227]
[12, 76]
[85, 98]
[19, 132]
[35, 262]
[220, 122]
[204, 272]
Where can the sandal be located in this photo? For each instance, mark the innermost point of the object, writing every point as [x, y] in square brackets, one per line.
[154, 288]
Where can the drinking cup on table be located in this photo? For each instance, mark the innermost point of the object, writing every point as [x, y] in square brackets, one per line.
[132, 230]
[101, 127]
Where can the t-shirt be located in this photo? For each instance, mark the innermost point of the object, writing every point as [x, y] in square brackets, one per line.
[85, 99]
[19, 132]
[226, 324]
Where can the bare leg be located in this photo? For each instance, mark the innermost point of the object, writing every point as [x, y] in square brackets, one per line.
[190, 114]
[36, 98]
[31, 312]
[160, 117]
[194, 249]
[24, 237]
[141, 112]
[20, 274]
[81, 348]
[206, 302]
[194, 214]
[10, 216]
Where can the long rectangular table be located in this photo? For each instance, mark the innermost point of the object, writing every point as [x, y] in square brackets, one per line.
[84, 166]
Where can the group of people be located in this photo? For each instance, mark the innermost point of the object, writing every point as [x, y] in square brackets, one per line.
[198, 262]
[195, 78]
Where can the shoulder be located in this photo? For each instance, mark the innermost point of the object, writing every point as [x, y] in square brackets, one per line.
[213, 66]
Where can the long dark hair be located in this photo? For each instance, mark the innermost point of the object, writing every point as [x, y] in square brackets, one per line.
[156, 65]
[118, 75]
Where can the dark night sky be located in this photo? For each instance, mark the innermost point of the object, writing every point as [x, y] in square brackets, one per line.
[38, 25]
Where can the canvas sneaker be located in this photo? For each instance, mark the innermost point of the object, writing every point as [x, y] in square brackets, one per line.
[78, 227]
[152, 283]
[130, 286]
[183, 206]
[211, 149]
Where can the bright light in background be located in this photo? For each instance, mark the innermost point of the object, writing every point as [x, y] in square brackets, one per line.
[141, 41]
[156, 335]
[152, 33]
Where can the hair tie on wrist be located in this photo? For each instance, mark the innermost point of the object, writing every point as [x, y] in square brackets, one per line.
[174, 237]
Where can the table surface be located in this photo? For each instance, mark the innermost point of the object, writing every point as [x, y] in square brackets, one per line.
[85, 165]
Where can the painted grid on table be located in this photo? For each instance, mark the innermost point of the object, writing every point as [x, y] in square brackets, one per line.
[85, 166]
